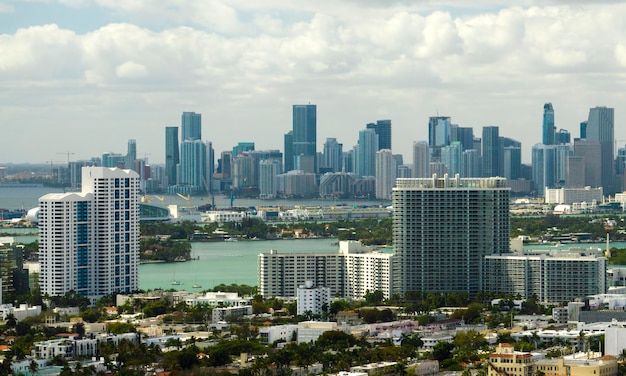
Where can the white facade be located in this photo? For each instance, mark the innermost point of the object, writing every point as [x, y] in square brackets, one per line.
[73, 347]
[385, 174]
[351, 272]
[614, 339]
[89, 241]
[312, 299]
[573, 195]
[553, 276]
[223, 216]
[214, 299]
[310, 331]
[268, 170]
[270, 334]
[220, 314]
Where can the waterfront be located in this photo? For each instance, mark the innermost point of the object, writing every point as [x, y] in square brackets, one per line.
[223, 262]
[28, 197]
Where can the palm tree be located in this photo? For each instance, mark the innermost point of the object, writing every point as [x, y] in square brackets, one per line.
[33, 367]
[11, 321]
[622, 356]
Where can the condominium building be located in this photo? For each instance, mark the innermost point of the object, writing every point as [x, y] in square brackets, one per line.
[351, 272]
[554, 276]
[280, 274]
[505, 360]
[313, 299]
[443, 228]
[89, 241]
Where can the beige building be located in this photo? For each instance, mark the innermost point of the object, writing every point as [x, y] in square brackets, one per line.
[507, 361]
[579, 366]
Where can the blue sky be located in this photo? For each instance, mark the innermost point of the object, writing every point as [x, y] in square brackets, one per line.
[87, 75]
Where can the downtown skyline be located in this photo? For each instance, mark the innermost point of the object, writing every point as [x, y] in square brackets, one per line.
[87, 76]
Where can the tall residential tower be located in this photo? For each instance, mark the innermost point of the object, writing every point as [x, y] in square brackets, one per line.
[443, 228]
[89, 241]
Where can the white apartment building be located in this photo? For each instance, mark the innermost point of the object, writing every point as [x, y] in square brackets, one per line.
[89, 241]
[553, 276]
[572, 195]
[220, 314]
[366, 270]
[215, 299]
[313, 299]
[280, 274]
[73, 347]
[351, 272]
[385, 174]
[271, 334]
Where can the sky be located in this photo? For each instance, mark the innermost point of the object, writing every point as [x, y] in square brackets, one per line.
[84, 76]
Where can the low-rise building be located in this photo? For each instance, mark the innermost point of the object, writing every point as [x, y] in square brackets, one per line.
[270, 334]
[310, 331]
[71, 347]
[583, 364]
[218, 299]
[220, 314]
[505, 360]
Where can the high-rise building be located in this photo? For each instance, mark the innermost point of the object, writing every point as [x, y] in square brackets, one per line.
[89, 241]
[548, 129]
[304, 130]
[600, 127]
[544, 166]
[268, 170]
[172, 155]
[472, 166]
[227, 165]
[452, 157]
[491, 151]
[383, 130]
[242, 147]
[583, 130]
[438, 134]
[590, 154]
[512, 162]
[191, 126]
[288, 147]
[421, 160]
[443, 228]
[465, 135]
[563, 137]
[312, 299]
[562, 153]
[193, 166]
[366, 156]
[333, 152]
[385, 174]
[131, 155]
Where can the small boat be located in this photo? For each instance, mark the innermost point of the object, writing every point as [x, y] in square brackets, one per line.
[230, 239]
[196, 286]
[176, 283]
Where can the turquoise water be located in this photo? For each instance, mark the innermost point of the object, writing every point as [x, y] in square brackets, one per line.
[223, 262]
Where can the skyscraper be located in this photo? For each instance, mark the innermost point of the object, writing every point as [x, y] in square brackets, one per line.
[421, 160]
[600, 127]
[193, 165]
[288, 147]
[548, 128]
[191, 126]
[438, 134]
[385, 174]
[491, 151]
[452, 157]
[304, 130]
[366, 156]
[383, 130]
[442, 229]
[333, 152]
[131, 154]
[89, 241]
[544, 167]
[172, 156]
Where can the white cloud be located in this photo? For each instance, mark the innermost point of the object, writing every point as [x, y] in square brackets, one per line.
[244, 63]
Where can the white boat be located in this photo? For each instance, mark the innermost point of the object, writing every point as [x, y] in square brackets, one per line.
[230, 240]
[196, 286]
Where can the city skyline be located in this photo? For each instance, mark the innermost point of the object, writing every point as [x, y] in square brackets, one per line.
[107, 72]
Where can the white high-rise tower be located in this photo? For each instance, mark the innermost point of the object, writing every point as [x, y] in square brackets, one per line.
[89, 241]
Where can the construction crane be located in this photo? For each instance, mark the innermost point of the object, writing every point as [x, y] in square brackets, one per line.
[186, 198]
[161, 198]
[68, 153]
